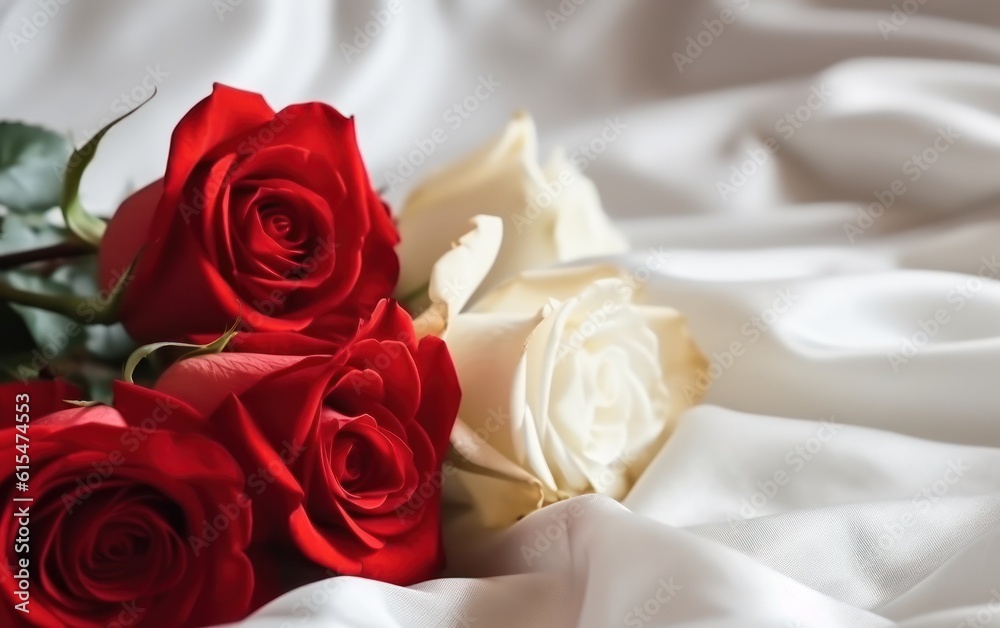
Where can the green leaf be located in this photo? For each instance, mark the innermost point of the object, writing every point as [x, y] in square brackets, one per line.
[106, 342]
[216, 346]
[110, 343]
[18, 367]
[24, 232]
[17, 337]
[53, 333]
[31, 290]
[99, 387]
[31, 166]
[79, 327]
[82, 224]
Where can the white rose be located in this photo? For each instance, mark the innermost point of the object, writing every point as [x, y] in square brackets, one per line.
[569, 384]
[550, 214]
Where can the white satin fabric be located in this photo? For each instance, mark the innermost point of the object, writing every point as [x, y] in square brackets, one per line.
[828, 483]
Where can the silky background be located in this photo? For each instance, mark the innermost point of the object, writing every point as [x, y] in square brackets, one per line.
[818, 184]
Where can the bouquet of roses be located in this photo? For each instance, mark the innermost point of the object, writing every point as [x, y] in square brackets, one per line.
[214, 397]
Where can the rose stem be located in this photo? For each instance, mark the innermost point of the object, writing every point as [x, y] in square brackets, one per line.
[63, 249]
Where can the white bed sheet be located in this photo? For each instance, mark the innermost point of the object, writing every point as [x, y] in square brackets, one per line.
[838, 476]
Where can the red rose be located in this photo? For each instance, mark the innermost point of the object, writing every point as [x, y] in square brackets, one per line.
[270, 213]
[112, 534]
[343, 452]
